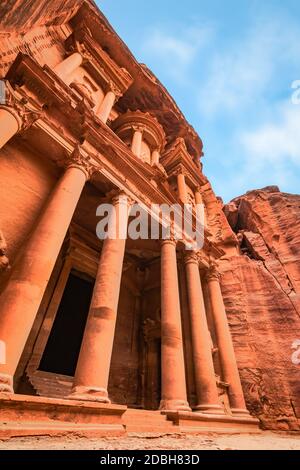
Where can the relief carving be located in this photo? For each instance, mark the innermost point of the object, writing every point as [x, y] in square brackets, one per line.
[4, 261]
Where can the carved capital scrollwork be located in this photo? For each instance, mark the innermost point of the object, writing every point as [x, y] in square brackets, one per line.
[191, 257]
[83, 162]
[115, 89]
[138, 128]
[119, 196]
[213, 274]
[180, 171]
[172, 240]
[19, 107]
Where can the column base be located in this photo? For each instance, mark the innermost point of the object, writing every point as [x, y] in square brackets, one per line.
[243, 412]
[6, 383]
[94, 394]
[167, 406]
[209, 409]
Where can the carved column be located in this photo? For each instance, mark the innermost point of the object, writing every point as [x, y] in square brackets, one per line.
[174, 395]
[9, 125]
[225, 345]
[92, 372]
[14, 115]
[155, 157]
[21, 299]
[182, 190]
[206, 387]
[137, 140]
[108, 102]
[198, 196]
[65, 68]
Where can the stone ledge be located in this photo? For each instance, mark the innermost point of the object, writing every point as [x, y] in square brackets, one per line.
[201, 422]
[22, 415]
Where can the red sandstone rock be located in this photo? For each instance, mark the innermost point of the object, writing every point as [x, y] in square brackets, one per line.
[261, 293]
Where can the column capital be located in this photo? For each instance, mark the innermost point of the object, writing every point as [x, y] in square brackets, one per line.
[191, 257]
[17, 105]
[138, 128]
[6, 383]
[80, 161]
[119, 196]
[212, 274]
[114, 89]
[169, 241]
[180, 171]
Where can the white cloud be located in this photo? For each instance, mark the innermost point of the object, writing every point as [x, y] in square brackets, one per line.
[176, 53]
[242, 73]
[278, 141]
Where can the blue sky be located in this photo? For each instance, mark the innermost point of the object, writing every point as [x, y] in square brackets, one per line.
[230, 66]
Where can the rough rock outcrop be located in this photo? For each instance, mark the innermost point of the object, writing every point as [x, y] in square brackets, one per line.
[261, 288]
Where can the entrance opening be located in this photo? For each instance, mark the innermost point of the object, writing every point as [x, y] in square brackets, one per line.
[62, 350]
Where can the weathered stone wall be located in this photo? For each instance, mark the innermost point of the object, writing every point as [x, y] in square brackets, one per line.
[26, 181]
[261, 293]
[124, 371]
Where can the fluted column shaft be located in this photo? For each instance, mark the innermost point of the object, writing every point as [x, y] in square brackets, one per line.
[225, 345]
[174, 395]
[92, 372]
[22, 297]
[206, 387]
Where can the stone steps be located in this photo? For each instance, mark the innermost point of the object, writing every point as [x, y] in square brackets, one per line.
[52, 386]
[144, 421]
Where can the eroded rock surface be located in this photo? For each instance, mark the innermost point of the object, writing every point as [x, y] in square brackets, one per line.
[261, 291]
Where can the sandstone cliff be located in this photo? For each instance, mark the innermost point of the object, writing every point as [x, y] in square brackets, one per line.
[261, 288]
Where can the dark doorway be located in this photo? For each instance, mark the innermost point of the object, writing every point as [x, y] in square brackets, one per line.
[63, 346]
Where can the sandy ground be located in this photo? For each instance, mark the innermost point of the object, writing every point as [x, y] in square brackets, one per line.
[263, 441]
